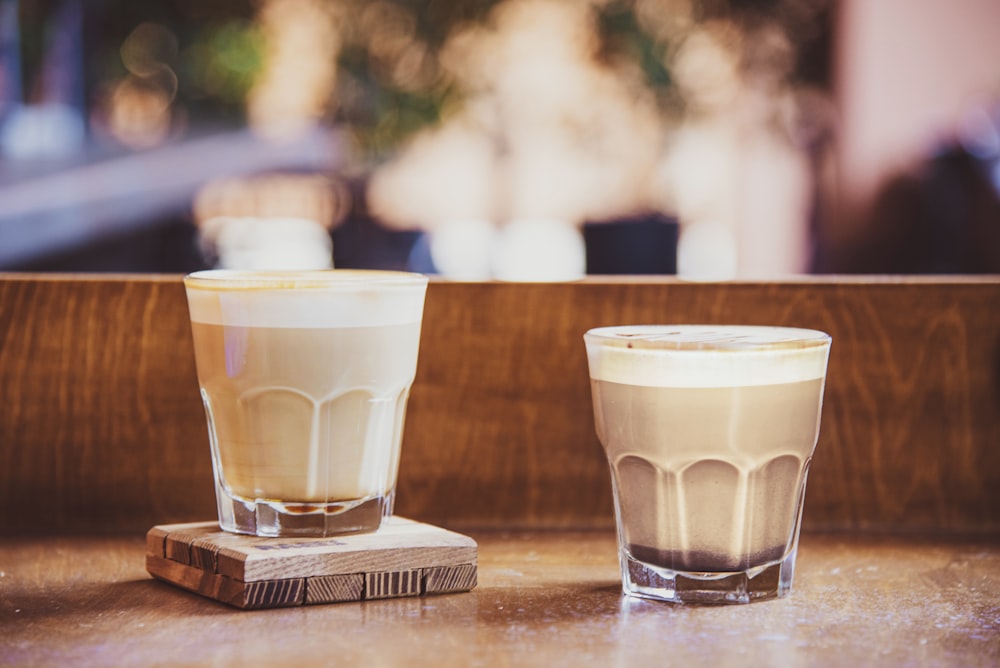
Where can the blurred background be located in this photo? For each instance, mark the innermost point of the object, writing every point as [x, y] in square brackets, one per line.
[507, 139]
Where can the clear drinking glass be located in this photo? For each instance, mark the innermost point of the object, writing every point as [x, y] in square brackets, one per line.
[709, 432]
[305, 378]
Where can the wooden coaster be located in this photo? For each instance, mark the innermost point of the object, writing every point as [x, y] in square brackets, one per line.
[402, 558]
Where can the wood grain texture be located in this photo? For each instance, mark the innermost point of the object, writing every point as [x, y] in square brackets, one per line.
[274, 593]
[102, 428]
[156, 539]
[544, 598]
[392, 584]
[450, 578]
[99, 397]
[910, 423]
[212, 585]
[403, 558]
[243, 595]
[335, 588]
[399, 544]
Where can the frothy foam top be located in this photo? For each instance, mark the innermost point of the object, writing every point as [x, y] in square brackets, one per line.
[305, 299]
[706, 355]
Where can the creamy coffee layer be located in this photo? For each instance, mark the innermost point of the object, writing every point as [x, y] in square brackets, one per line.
[307, 414]
[706, 355]
[708, 471]
[307, 300]
[305, 378]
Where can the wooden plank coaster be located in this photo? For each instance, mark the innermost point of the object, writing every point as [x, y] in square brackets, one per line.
[402, 558]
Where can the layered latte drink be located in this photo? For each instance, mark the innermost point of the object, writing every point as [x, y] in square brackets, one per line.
[305, 378]
[709, 432]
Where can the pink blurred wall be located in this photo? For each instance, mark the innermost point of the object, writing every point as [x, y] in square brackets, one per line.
[905, 71]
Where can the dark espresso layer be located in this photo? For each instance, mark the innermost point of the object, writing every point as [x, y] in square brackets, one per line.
[702, 561]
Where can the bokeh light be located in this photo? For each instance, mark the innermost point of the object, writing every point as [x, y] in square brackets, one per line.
[502, 112]
[298, 75]
[277, 221]
[547, 132]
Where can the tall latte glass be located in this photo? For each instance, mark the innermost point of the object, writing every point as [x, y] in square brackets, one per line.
[305, 378]
[709, 432]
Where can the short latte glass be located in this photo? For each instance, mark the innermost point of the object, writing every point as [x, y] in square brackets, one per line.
[305, 378]
[709, 432]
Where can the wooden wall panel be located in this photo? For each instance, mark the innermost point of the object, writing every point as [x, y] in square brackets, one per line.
[101, 427]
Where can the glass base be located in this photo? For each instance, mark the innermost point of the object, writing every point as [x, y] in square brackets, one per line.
[276, 519]
[770, 580]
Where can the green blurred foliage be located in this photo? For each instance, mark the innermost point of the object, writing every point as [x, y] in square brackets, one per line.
[218, 66]
[621, 35]
[382, 113]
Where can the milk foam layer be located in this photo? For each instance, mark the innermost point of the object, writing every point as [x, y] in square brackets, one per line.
[297, 299]
[706, 355]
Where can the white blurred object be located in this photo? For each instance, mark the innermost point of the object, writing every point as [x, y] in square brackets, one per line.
[548, 137]
[539, 250]
[734, 174]
[706, 251]
[445, 177]
[301, 46]
[42, 131]
[270, 243]
[461, 249]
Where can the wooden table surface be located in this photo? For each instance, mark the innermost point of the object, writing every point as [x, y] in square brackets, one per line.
[544, 599]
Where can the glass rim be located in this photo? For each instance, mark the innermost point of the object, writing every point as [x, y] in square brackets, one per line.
[693, 338]
[280, 279]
